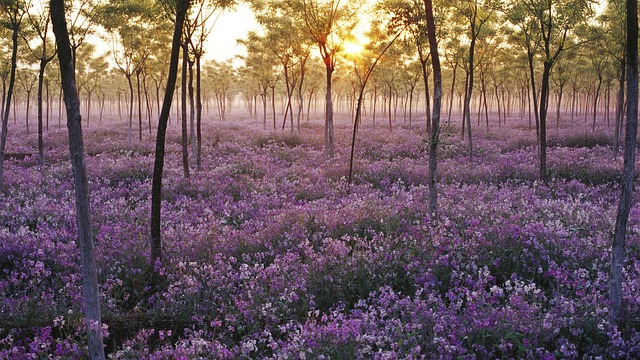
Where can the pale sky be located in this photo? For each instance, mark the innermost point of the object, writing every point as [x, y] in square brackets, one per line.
[231, 26]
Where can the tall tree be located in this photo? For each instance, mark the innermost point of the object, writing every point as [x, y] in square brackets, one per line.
[437, 101]
[183, 100]
[13, 11]
[202, 26]
[328, 22]
[363, 68]
[550, 21]
[477, 14]
[612, 40]
[83, 212]
[411, 14]
[130, 25]
[180, 8]
[40, 21]
[260, 63]
[616, 310]
[27, 79]
[81, 15]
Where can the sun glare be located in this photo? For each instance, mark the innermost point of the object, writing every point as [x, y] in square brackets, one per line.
[351, 47]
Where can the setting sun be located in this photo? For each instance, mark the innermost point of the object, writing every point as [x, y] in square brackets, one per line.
[352, 47]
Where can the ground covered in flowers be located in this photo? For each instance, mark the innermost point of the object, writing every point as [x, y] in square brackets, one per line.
[268, 253]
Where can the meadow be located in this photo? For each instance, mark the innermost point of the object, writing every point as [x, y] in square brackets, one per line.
[269, 253]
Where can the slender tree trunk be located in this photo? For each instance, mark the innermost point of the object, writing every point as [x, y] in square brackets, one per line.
[130, 109]
[102, 107]
[390, 107]
[48, 103]
[300, 98]
[437, 102]
[453, 86]
[139, 104]
[273, 106]
[375, 104]
[498, 105]
[60, 107]
[486, 106]
[7, 109]
[4, 96]
[425, 78]
[616, 310]
[328, 122]
[192, 113]
[183, 93]
[88, 106]
[158, 165]
[595, 103]
[544, 99]
[43, 64]
[27, 114]
[264, 108]
[533, 92]
[411, 107]
[467, 108]
[464, 117]
[90, 287]
[558, 107]
[619, 110]
[198, 112]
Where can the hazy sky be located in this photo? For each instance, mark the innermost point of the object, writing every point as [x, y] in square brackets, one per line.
[231, 26]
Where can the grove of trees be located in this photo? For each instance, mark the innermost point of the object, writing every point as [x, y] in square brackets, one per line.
[474, 57]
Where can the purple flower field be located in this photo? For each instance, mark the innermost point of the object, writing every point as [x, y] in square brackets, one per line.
[268, 253]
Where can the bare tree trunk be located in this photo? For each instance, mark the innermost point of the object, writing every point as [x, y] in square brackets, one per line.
[43, 64]
[130, 109]
[498, 105]
[139, 104]
[328, 122]
[595, 103]
[198, 113]
[544, 99]
[533, 92]
[5, 116]
[158, 165]
[619, 109]
[273, 106]
[558, 107]
[27, 114]
[616, 310]
[192, 113]
[183, 96]
[83, 212]
[48, 103]
[437, 103]
[453, 86]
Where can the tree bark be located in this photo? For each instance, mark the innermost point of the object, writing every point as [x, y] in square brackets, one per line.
[198, 113]
[43, 64]
[76, 148]
[616, 310]
[467, 102]
[130, 108]
[544, 100]
[7, 109]
[183, 112]
[453, 86]
[437, 103]
[595, 103]
[328, 122]
[158, 165]
[192, 110]
[139, 103]
[619, 109]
